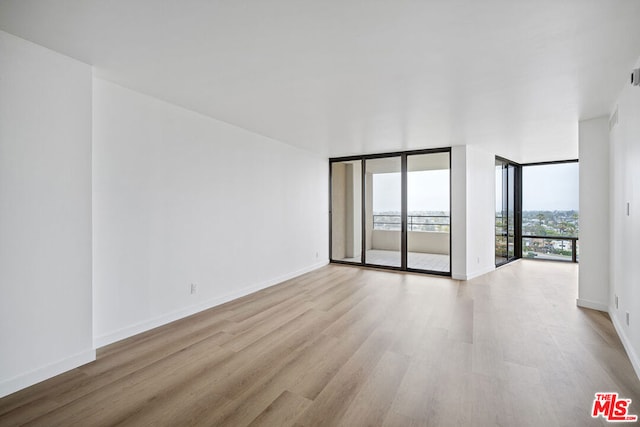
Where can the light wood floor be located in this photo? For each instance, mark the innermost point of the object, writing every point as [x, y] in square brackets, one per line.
[351, 346]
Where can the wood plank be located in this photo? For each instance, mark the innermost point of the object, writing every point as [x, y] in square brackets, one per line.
[334, 400]
[355, 346]
[283, 411]
[371, 404]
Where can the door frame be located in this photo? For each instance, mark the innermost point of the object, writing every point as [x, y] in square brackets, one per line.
[517, 206]
[404, 202]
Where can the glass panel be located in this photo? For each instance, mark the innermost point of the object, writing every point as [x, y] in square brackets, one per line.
[346, 211]
[383, 208]
[550, 210]
[428, 212]
[501, 213]
[550, 249]
[511, 207]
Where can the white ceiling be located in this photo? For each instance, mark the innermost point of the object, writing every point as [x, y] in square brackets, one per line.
[345, 76]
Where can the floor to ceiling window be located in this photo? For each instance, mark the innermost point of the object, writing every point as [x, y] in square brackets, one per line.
[536, 211]
[401, 204]
[550, 211]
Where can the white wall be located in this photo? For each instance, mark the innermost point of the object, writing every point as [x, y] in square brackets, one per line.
[180, 198]
[593, 283]
[459, 212]
[45, 213]
[481, 209]
[624, 184]
[472, 212]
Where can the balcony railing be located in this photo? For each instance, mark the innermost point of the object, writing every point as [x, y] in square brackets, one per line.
[414, 222]
[558, 248]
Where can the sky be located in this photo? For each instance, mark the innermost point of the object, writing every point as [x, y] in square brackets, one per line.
[550, 187]
[544, 187]
[426, 191]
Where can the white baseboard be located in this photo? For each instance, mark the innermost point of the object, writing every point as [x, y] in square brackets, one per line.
[146, 325]
[593, 305]
[30, 378]
[633, 356]
[473, 274]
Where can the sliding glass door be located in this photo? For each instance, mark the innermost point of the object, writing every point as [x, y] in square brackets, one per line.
[383, 207]
[346, 212]
[428, 212]
[401, 201]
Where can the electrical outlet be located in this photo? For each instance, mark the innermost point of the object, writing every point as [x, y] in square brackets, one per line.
[627, 318]
[616, 301]
[316, 255]
[194, 288]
